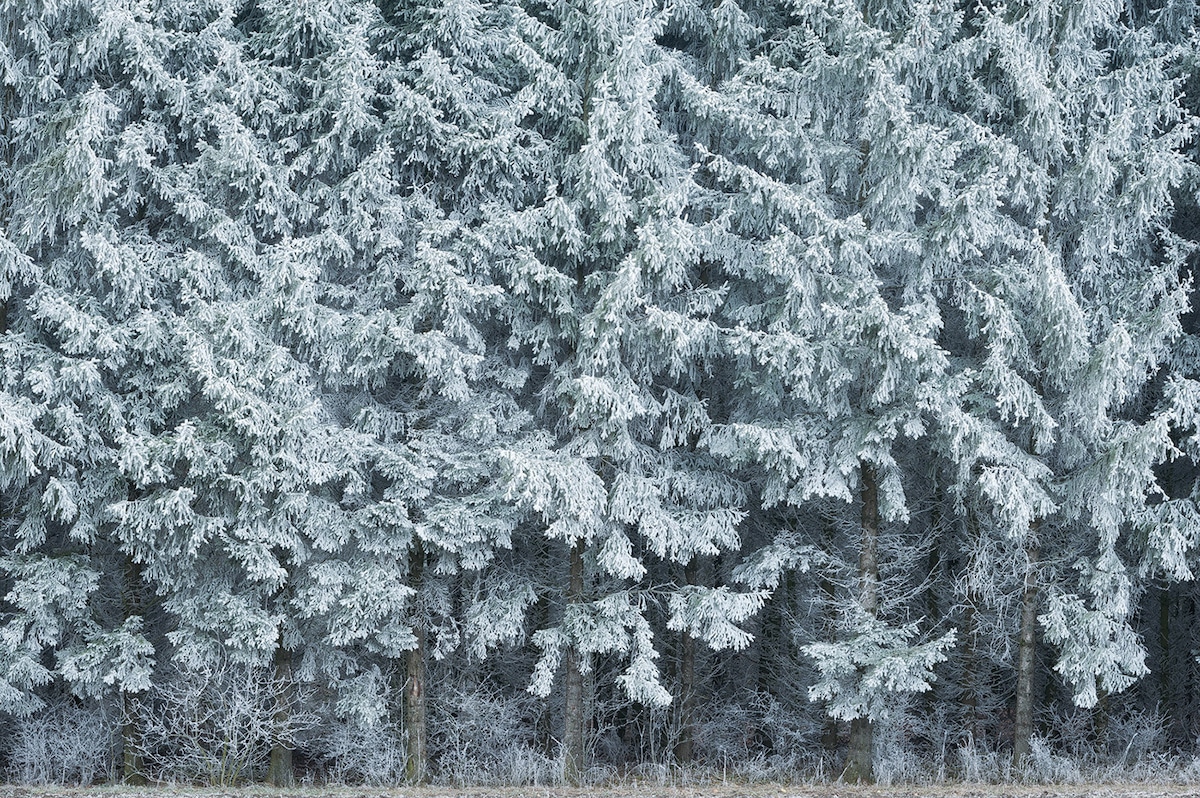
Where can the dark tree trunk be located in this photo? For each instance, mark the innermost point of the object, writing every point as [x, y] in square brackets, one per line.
[132, 770]
[279, 770]
[1164, 646]
[544, 724]
[132, 766]
[829, 735]
[687, 679]
[414, 682]
[971, 681]
[1026, 656]
[859, 766]
[574, 721]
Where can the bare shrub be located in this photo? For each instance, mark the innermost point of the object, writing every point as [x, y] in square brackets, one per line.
[359, 738]
[481, 736]
[726, 733]
[353, 751]
[65, 743]
[1044, 765]
[1129, 747]
[1133, 737]
[982, 764]
[216, 723]
[758, 739]
[897, 759]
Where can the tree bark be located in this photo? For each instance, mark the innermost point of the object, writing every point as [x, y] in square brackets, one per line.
[280, 772]
[971, 681]
[132, 770]
[1164, 647]
[830, 734]
[687, 679]
[859, 766]
[574, 750]
[1026, 656]
[414, 683]
[132, 766]
[544, 724]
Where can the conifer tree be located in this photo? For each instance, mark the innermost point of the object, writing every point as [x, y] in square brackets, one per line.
[829, 191]
[609, 306]
[407, 143]
[1070, 307]
[74, 301]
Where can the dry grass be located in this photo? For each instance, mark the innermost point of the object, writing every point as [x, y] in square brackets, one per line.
[631, 790]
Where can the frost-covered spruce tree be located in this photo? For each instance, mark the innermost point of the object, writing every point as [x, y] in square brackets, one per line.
[1170, 535]
[148, 199]
[609, 303]
[301, 429]
[826, 164]
[873, 158]
[363, 289]
[1063, 311]
[74, 300]
[406, 140]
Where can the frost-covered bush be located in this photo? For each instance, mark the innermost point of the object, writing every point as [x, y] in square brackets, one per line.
[1106, 744]
[216, 723]
[1046, 765]
[979, 763]
[726, 733]
[759, 737]
[8, 730]
[900, 754]
[358, 737]
[1077, 746]
[65, 743]
[357, 752]
[1135, 737]
[482, 736]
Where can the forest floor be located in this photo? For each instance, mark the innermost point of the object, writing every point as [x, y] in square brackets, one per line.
[633, 790]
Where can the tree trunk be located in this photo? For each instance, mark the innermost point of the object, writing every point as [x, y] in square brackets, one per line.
[132, 766]
[573, 722]
[1026, 656]
[859, 766]
[132, 770]
[1186, 620]
[971, 680]
[1164, 647]
[830, 734]
[544, 724]
[279, 771]
[414, 682]
[687, 679]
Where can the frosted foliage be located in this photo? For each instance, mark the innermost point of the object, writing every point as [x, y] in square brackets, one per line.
[766, 567]
[483, 737]
[711, 614]
[613, 624]
[123, 658]
[1100, 652]
[426, 350]
[497, 618]
[857, 677]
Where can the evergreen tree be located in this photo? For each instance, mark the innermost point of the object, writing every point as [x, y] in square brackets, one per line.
[1070, 305]
[829, 194]
[609, 306]
[74, 301]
